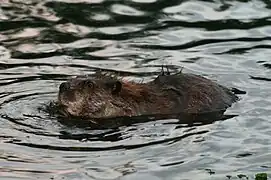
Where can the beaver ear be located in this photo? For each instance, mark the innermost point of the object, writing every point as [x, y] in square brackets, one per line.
[116, 87]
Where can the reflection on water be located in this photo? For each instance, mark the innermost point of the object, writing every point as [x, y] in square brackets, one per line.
[43, 43]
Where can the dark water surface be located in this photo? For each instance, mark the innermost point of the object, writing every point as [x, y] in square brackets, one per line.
[42, 43]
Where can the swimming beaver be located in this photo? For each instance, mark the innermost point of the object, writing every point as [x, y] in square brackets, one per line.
[101, 96]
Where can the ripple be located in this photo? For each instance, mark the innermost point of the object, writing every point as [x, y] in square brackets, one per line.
[125, 10]
[42, 43]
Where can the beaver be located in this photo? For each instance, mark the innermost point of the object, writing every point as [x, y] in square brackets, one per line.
[103, 96]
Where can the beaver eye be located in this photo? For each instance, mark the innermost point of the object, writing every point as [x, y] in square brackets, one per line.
[88, 83]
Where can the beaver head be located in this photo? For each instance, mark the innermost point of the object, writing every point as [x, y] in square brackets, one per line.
[90, 97]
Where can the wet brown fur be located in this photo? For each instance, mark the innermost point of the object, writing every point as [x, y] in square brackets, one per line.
[165, 95]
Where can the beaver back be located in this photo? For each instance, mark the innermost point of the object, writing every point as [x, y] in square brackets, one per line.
[194, 94]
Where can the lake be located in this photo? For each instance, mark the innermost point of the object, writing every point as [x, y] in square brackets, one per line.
[43, 43]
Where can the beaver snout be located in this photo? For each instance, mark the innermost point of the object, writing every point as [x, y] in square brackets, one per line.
[65, 86]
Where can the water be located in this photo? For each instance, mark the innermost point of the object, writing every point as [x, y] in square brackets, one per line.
[45, 42]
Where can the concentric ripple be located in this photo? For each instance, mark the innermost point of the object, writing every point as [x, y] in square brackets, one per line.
[43, 43]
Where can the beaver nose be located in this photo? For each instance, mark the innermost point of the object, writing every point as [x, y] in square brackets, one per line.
[64, 87]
